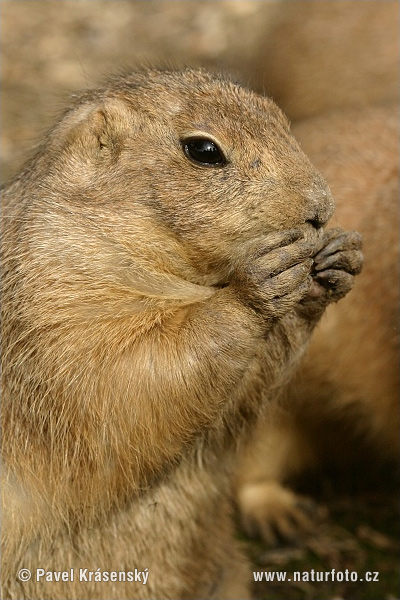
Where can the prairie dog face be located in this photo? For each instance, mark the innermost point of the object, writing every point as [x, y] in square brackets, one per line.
[184, 169]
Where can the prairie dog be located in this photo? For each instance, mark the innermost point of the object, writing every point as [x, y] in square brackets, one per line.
[323, 56]
[342, 408]
[164, 265]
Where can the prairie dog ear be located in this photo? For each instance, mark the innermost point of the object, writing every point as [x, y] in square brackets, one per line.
[95, 128]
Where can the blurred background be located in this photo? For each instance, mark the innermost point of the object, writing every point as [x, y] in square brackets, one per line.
[312, 57]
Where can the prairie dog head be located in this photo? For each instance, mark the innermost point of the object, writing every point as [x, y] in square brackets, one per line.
[170, 173]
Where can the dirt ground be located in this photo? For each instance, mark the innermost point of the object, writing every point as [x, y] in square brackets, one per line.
[358, 532]
[51, 48]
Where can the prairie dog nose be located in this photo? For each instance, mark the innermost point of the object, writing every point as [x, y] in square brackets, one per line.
[321, 204]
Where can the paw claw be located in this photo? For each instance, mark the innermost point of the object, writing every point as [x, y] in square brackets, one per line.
[343, 240]
[350, 261]
[275, 513]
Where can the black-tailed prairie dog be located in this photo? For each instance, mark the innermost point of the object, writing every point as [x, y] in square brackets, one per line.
[317, 56]
[164, 264]
[342, 409]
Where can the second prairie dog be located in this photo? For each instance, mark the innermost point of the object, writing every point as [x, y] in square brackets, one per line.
[157, 291]
[343, 406]
[321, 56]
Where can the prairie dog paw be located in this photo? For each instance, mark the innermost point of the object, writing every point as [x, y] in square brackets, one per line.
[338, 259]
[275, 513]
[275, 276]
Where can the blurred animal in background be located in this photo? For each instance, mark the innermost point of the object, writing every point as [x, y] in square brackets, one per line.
[321, 56]
[342, 410]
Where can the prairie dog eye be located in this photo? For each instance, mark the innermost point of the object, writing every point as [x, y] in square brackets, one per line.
[203, 151]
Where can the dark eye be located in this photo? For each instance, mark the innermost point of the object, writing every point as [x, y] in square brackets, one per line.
[203, 152]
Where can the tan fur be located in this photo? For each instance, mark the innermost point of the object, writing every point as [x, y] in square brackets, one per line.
[343, 408]
[317, 56]
[151, 306]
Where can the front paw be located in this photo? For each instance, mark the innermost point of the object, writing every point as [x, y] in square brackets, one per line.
[275, 275]
[338, 259]
[276, 514]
